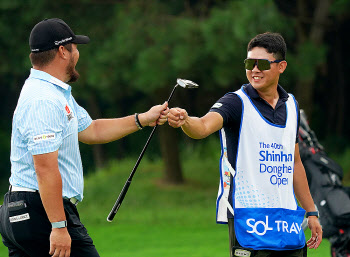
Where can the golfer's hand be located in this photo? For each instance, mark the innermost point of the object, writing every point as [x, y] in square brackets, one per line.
[316, 232]
[156, 115]
[60, 242]
[177, 117]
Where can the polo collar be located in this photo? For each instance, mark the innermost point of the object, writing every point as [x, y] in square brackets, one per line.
[47, 77]
[251, 91]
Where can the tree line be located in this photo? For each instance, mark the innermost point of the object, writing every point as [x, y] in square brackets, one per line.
[138, 48]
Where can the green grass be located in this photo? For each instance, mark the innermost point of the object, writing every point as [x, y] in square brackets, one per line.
[158, 220]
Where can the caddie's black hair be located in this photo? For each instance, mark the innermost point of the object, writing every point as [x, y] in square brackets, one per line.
[273, 42]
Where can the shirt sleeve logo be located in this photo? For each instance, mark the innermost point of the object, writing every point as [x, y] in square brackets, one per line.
[217, 105]
[67, 109]
[43, 137]
[69, 113]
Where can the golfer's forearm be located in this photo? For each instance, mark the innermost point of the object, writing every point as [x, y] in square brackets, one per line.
[50, 185]
[50, 188]
[107, 130]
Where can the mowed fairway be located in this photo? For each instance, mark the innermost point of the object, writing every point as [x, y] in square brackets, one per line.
[169, 241]
[157, 220]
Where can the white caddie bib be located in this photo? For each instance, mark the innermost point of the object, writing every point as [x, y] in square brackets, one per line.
[266, 212]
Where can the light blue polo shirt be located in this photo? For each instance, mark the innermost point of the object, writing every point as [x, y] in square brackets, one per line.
[47, 118]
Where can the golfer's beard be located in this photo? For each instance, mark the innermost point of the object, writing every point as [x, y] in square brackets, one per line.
[71, 71]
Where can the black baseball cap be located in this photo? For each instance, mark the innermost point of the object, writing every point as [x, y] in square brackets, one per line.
[52, 33]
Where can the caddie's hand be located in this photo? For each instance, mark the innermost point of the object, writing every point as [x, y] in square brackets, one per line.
[60, 242]
[177, 117]
[156, 115]
[316, 232]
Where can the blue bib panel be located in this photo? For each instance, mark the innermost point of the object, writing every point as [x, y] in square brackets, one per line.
[269, 228]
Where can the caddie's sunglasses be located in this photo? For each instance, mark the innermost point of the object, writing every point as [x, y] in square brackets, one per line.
[262, 64]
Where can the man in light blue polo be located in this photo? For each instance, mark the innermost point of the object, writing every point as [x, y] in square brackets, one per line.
[39, 216]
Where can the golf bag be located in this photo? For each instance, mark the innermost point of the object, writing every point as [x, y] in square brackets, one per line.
[331, 198]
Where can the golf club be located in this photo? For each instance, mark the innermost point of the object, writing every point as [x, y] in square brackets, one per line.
[180, 82]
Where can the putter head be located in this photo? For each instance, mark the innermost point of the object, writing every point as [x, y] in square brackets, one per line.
[185, 83]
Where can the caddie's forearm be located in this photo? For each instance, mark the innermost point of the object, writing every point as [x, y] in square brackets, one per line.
[301, 188]
[198, 128]
[194, 128]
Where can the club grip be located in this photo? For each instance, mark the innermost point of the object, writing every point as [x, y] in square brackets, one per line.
[119, 201]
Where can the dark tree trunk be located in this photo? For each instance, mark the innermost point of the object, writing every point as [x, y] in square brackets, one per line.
[171, 155]
[97, 150]
[315, 34]
[341, 91]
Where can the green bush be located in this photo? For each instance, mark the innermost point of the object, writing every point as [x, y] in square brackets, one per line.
[343, 159]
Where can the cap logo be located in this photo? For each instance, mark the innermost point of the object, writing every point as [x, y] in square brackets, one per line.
[52, 33]
[63, 40]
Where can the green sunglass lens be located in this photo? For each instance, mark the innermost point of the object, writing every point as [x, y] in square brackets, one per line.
[249, 64]
[263, 65]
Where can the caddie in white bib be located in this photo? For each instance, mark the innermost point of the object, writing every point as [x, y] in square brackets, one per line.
[265, 209]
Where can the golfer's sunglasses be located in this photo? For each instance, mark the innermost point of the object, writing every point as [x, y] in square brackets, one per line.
[262, 64]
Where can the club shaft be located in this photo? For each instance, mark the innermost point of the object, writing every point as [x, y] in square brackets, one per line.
[119, 201]
[172, 93]
[147, 142]
[128, 182]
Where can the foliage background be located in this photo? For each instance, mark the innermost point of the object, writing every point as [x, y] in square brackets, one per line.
[138, 48]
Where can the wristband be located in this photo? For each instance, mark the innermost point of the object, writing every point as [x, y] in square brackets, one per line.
[312, 213]
[59, 224]
[137, 121]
